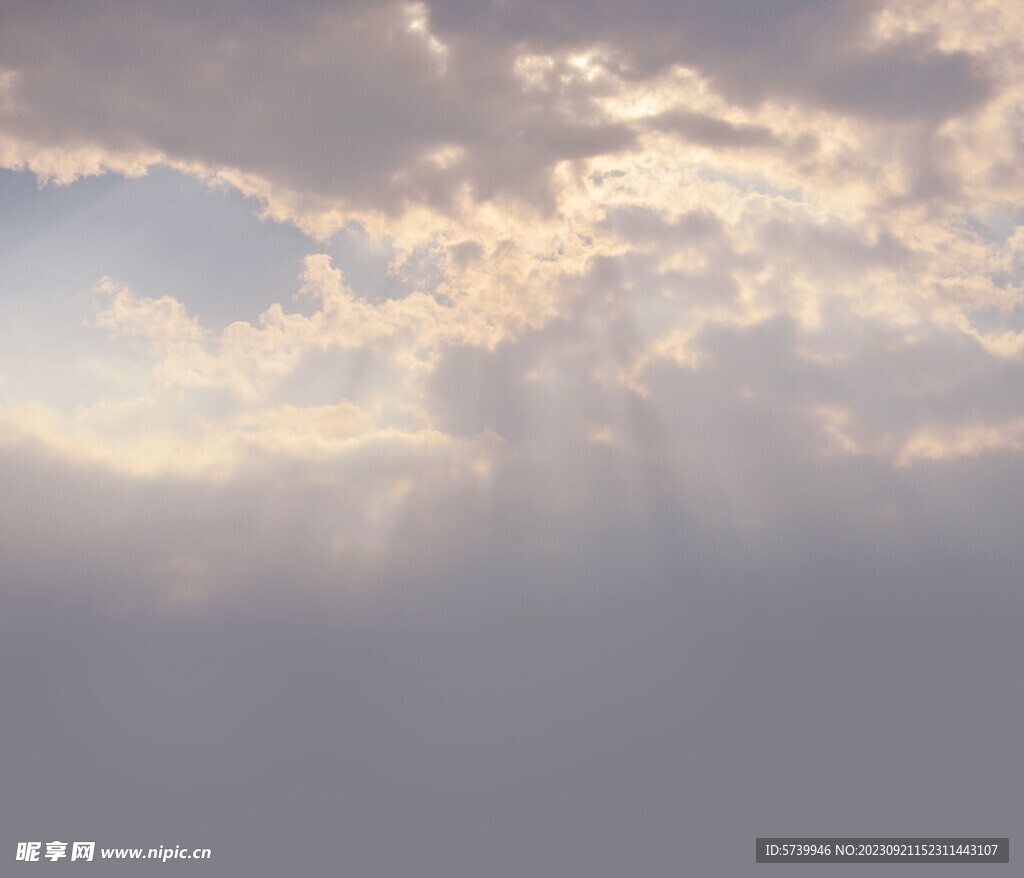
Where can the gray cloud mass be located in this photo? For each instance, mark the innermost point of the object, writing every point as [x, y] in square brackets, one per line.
[346, 101]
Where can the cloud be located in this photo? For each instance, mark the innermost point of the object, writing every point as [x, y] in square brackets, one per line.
[709, 131]
[641, 382]
[813, 52]
[392, 126]
[507, 635]
[421, 104]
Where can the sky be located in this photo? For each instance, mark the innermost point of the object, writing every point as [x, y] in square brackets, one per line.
[509, 438]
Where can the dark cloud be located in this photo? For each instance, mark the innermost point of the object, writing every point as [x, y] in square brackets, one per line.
[638, 224]
[709, 131]
[809, 50]
[346, 102]
[331, 102]
[833, 249]
[908, 79]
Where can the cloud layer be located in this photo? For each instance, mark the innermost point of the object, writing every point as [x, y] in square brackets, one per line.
[606, 450]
